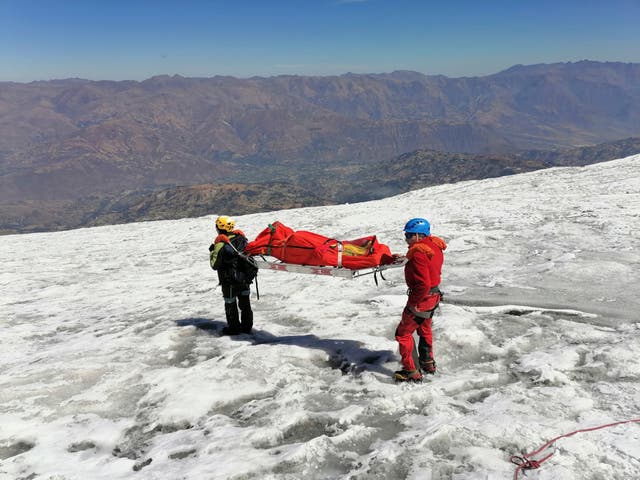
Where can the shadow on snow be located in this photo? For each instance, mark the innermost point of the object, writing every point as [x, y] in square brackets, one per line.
[347, 355]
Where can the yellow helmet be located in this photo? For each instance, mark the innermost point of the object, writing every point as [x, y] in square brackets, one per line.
[226, 224]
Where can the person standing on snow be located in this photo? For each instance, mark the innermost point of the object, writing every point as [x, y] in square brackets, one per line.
[422, 275]
[234, 274]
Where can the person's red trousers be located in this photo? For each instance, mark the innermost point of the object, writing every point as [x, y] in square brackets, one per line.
[404, 336]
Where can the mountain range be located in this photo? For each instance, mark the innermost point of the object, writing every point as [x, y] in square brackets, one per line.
[77, 152]
[357, 183]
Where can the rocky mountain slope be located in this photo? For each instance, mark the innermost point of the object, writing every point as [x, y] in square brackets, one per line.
[65, 141]
[356, 183]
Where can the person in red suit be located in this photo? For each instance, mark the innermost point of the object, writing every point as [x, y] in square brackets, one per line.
[422, 275]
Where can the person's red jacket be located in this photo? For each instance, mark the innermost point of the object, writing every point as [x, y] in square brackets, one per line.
[422, 272]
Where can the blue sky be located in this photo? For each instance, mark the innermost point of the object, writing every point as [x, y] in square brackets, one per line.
[137, 39]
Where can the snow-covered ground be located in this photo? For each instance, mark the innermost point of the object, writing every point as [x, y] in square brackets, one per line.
[112, 366]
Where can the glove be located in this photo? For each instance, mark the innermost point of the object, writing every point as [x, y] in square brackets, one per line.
[222, 238]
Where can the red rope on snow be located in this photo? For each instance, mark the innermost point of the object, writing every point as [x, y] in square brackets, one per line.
[525, 463]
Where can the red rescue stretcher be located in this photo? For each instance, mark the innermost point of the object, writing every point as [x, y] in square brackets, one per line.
[308, 252]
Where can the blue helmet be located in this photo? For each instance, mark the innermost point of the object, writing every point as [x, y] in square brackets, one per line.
[418, 225]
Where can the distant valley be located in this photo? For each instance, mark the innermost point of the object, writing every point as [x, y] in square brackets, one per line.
[77, 153]
[408, 172]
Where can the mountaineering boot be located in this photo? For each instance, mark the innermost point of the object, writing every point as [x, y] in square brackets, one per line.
[428, 366]
[408, 376]
[233, 320]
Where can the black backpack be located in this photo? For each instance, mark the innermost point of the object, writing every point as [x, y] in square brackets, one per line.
[248, 267]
